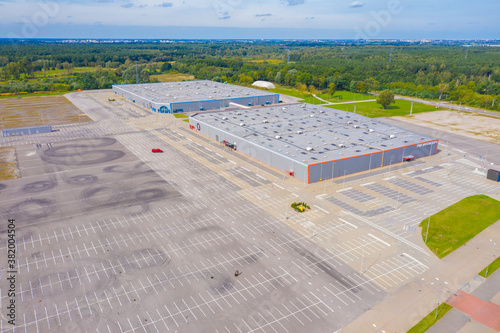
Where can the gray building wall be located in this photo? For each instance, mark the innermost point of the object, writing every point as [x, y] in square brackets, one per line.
[26, 130]
[195, 106]
[367, 162]
[216, 104]
[270, 157]
[322, 171]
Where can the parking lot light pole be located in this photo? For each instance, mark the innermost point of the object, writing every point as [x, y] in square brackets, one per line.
[438, 296]
[427, 232]
[489, 258]
[343, 182]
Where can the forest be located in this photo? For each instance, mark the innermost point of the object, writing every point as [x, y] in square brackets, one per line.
[467, 74]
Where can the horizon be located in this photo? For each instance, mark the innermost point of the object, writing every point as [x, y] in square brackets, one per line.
[235, 19]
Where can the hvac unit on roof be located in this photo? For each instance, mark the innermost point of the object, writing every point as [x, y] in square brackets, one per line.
[311, 116]
[349, 122]
[300, 132]
[265, 121]
[341, 145]
[356, 126]
[392, 136]
[242, 124]
[371, 130]
[278, 137]
[321, 111]
[303, 106]
[238, 113]
[224, 118]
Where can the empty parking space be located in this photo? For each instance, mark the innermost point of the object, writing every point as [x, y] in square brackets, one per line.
[407, 185]
[357, 195]
[390, 193]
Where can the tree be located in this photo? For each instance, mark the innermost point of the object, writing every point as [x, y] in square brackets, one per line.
[443, 88]
[302, 88]
[385, 98]
[166, 67]
[331, 89]
[277, 78]
[362, 87]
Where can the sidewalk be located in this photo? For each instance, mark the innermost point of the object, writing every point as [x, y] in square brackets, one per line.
[474, 307]
[409, 304]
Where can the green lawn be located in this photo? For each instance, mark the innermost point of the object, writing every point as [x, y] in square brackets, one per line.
[38, 94]
[306, 97]
[374, 110]
[491, 268]
[346, 96]
[428, 320]
[454, 226]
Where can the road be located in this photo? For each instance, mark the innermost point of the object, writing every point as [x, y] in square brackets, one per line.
[480, 152]
[450, 106]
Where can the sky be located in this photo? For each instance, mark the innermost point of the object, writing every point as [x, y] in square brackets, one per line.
[251, 19]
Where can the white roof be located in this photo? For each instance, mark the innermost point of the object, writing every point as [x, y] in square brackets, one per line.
[264, 84]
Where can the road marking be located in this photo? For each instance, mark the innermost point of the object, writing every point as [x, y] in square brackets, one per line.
[389, 178]
[367, 184]
[345, 189]
[352, 225]
[389, 233]
[379, 240]
[322, 209]
[406, 254]
[278, 186]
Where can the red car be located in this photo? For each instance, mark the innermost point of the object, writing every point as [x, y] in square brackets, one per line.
[156, 150]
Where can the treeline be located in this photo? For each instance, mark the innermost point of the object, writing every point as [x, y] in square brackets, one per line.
[448, 72]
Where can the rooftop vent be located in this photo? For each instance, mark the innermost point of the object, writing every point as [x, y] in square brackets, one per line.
[392, 136]
[349, 122]
[300, 132]
[356, 126]
[238, 113]
[371, 130]
[224, 118]
[312, 116]
[341, 145]
[265, 121]
[242, 124]
[278, 137]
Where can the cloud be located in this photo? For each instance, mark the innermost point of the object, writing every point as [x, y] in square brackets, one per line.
[310, 18]
[295, 2]
[356, 4]
[225, 17]
[128, 5]
[263, 15]
[165, 4]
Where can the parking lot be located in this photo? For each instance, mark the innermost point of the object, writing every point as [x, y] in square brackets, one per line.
[113, 238]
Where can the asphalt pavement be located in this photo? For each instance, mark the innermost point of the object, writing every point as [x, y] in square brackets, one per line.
[480, 152]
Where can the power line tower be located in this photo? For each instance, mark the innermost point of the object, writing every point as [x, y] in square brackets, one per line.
[136, 73]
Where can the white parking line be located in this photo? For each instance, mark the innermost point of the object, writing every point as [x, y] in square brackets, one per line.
[379, 240]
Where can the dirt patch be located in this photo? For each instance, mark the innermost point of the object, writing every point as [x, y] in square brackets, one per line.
[173, 77]
[8, 164]
[39, 110]
[468, 124]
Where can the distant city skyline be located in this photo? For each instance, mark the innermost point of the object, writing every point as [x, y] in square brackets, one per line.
[238, 19]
